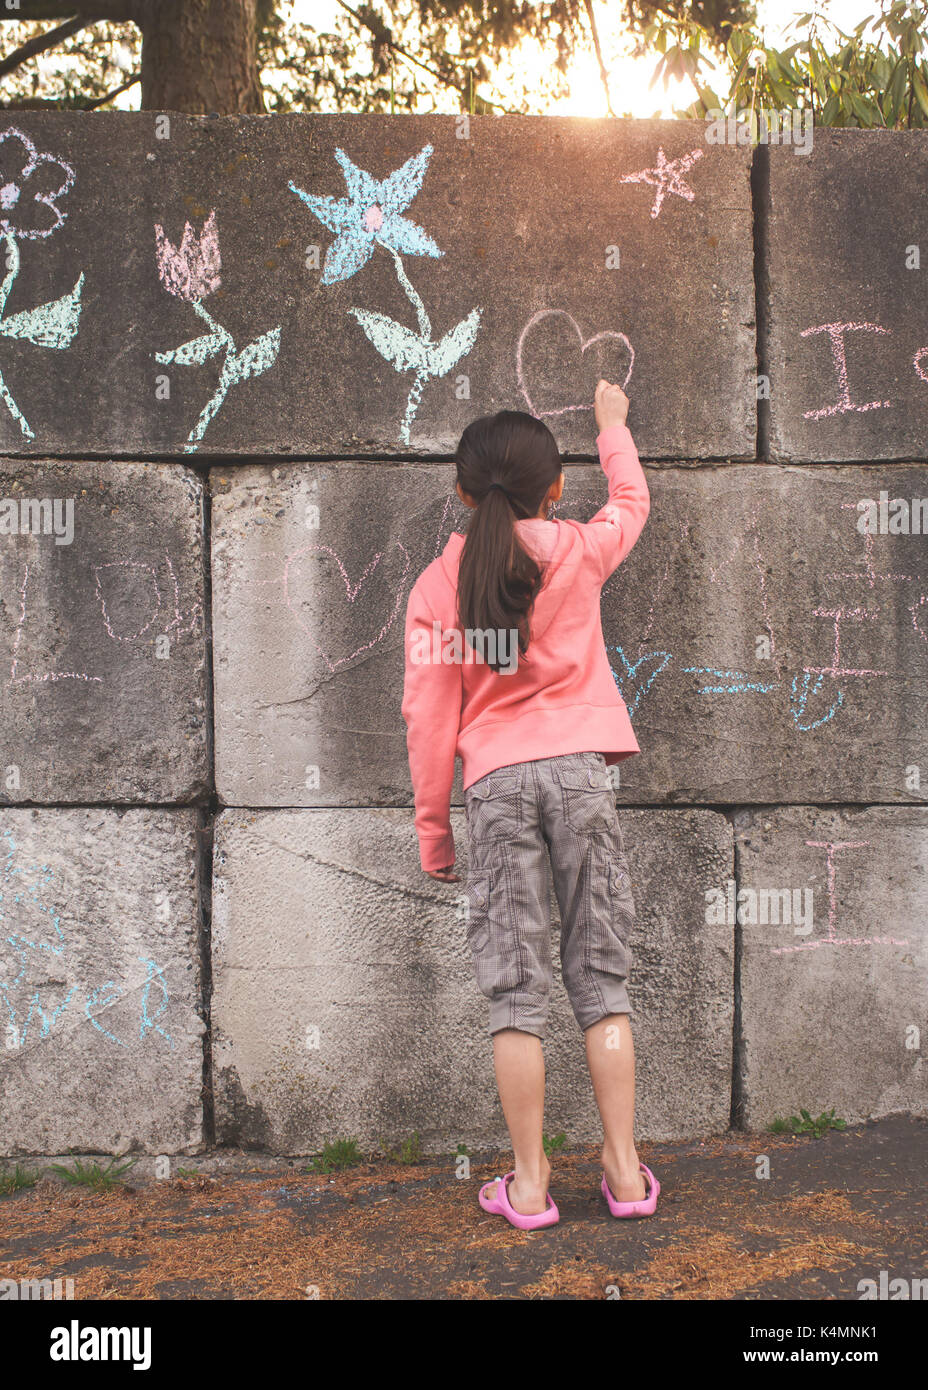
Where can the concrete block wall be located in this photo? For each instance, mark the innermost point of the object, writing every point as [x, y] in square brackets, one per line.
[237, 354]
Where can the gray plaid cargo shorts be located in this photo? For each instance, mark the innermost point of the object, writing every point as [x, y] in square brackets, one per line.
[517, 817]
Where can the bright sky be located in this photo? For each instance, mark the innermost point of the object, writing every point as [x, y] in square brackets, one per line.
[630, 77]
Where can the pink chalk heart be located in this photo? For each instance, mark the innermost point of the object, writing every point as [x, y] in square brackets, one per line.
[613, 348]
[374, 600]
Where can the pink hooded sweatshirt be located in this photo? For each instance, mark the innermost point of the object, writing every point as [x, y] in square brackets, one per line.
[561, 698]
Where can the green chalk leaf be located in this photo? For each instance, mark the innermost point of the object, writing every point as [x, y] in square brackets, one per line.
[456, 343]
[193, 353]
[48, 325]
[396, 344]
[258, 356]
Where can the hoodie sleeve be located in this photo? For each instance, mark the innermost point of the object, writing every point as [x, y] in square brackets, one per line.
[616, 526]
[432, 711]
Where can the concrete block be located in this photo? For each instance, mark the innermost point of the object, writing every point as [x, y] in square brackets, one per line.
[308, 626]
[344, 1003]
[766, 648]
[102, 578]
[100, 1006]
[834, 972]
[846, 235]
[448, 266]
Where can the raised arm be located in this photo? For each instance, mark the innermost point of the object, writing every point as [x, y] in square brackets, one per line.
[617, 525]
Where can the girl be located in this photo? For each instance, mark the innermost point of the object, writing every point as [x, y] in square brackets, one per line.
[506, 668]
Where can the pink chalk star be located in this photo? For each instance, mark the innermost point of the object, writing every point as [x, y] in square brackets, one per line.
[667, 177]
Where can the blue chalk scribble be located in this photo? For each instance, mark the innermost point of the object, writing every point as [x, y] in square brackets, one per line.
[147, 1022]
[28, 887]
[631, 691]
[742, 685]
[799, 697]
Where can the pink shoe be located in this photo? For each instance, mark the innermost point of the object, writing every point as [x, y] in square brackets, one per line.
[500, 1205]
[648, 1204]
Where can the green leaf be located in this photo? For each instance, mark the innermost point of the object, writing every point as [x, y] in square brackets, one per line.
[921, 92]
[830, 109]
[782, 94]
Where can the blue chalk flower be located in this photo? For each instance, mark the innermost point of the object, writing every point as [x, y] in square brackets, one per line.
[369, 214]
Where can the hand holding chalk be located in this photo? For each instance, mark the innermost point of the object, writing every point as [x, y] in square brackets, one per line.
[611, 405]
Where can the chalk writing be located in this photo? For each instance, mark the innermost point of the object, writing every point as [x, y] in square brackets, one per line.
[831, 847]
[25, 192]
[190, 271]
[29, 890]
[802, 690]
[836, 332]
[630, 687]
[371, 216]
[108, 593]
[667, 177]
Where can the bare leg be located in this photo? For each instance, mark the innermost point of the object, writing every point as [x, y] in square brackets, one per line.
[520, 1079]
[610, 1055]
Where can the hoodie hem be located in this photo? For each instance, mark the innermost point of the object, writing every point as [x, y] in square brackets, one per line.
[605, 729]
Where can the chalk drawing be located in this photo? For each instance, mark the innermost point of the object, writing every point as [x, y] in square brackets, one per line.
[836, 332]
[667, 177]
[102, 999]
[870, 573]
[917, 362]
[605, 336]
[831, 847]
[147, 1023]
[801, 690]
[191, 271]
[371, 216]
[50, 325]
[15, 677]
[29, 889]
[351, 593]
[630, 687]
[106, 575]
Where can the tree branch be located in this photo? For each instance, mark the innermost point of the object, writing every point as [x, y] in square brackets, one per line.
[385, 38]
[117, 11]
[603, 74]
[41, 43]
[101, 101]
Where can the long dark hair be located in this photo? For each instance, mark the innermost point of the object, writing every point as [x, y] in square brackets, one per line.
[498, 580]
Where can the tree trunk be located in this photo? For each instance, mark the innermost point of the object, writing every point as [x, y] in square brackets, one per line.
[199, 56]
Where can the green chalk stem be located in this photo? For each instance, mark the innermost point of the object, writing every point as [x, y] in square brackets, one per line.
[237, 366]
[51, 325]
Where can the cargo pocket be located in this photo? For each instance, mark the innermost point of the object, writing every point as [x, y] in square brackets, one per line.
[493, 806]
[611, 911]
[588, 797]
[490, 933]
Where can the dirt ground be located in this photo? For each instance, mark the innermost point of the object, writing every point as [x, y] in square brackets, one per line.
[834, 1210]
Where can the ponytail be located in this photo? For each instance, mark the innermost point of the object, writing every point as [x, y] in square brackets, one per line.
[506, 462]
